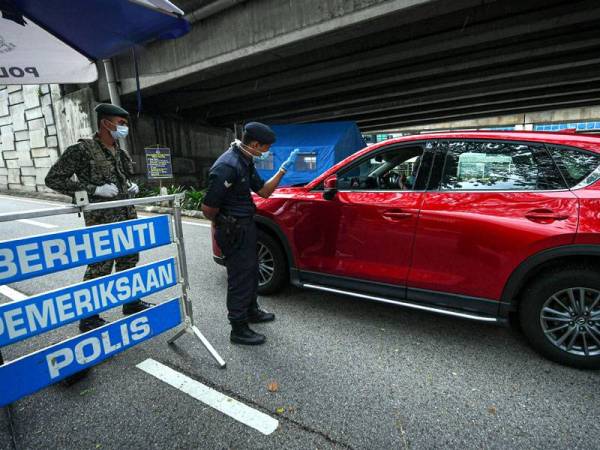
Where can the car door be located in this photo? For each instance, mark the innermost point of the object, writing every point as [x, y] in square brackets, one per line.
[493, 204]
[366, 231]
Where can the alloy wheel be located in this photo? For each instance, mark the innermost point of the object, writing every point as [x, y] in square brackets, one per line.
[266, 264]
[570, 319]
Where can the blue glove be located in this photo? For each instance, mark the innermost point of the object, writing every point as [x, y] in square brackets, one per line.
[288, 163]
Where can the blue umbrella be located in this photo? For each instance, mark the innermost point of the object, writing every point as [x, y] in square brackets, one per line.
[57, 41]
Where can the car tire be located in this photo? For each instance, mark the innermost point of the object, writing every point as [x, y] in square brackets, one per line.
[273, 270]
[553, 316]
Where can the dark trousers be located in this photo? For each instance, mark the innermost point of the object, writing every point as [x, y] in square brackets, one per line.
[241, 261]
[103, 216]
[104, 268]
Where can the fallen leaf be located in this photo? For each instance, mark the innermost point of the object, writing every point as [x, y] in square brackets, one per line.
[280, 410]
[492, 410]
[273, 386]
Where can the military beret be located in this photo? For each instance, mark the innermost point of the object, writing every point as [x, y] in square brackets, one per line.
[106, 109]
[259, 132]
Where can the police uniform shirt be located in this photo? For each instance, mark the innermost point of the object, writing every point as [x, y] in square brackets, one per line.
[230, 180]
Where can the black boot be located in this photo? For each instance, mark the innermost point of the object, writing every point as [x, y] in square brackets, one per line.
[259, 315]
[136, 307]
[76, 377]
[242, 334]
[91, 323]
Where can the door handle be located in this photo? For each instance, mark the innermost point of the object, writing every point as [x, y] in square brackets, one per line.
[397, 215]
[544, 216]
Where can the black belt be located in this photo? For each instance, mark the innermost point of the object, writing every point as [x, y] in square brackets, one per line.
[224, 219]
[244, 220]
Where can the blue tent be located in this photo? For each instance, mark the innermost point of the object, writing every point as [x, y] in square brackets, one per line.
[321, 146]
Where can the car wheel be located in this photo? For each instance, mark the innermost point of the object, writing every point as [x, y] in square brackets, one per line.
[272, 265]
[560, 315]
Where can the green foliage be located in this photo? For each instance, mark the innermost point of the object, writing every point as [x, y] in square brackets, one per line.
[173, 189]
[148, 191]
[193, 198]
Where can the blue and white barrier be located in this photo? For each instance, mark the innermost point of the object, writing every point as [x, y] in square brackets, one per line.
[37, 370]
[30, 257]
[23, 319]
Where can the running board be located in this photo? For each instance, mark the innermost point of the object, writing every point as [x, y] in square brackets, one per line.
[446, 312]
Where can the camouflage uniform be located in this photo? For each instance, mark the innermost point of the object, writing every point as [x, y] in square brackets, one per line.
[94, 165]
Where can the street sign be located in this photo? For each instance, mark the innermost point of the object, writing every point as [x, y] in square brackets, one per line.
[21, 259]
[158, 163]
[39, 255]
[37, 370]
[23, 319]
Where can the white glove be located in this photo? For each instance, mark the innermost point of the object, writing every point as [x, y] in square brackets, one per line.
[106, 191]
[133, 188]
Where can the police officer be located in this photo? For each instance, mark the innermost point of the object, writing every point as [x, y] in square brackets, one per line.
[104, 170]
[228, 203]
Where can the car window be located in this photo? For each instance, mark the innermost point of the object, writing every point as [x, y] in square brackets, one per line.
[580, 168]
[498, 166]
[394, 169]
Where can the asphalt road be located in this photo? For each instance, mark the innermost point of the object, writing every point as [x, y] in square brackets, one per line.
[350, 374]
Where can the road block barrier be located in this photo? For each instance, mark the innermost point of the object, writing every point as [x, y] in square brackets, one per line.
[36, 256]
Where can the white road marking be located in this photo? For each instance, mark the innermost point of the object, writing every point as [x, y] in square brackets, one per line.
[11, 293]
[39, 202]
[227, 405]
[207, 225]
[37, 224]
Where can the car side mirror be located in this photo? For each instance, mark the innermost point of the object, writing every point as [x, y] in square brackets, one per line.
[330, 185]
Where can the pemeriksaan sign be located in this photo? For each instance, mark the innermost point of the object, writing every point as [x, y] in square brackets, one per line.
[26, 318]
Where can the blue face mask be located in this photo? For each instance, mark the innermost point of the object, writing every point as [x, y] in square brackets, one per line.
[120, 133]
[263, 156]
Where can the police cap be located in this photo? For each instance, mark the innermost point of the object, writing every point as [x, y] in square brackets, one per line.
[259, 132]
[107, 110]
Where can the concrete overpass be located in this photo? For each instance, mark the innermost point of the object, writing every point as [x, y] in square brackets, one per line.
[386, 64]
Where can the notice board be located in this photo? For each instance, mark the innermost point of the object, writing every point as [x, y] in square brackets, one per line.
[158, 162]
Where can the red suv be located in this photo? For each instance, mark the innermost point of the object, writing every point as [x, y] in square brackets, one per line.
[489, 226]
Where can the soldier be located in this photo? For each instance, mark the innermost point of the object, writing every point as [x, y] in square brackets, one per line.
[228, 203]
[104, 170]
